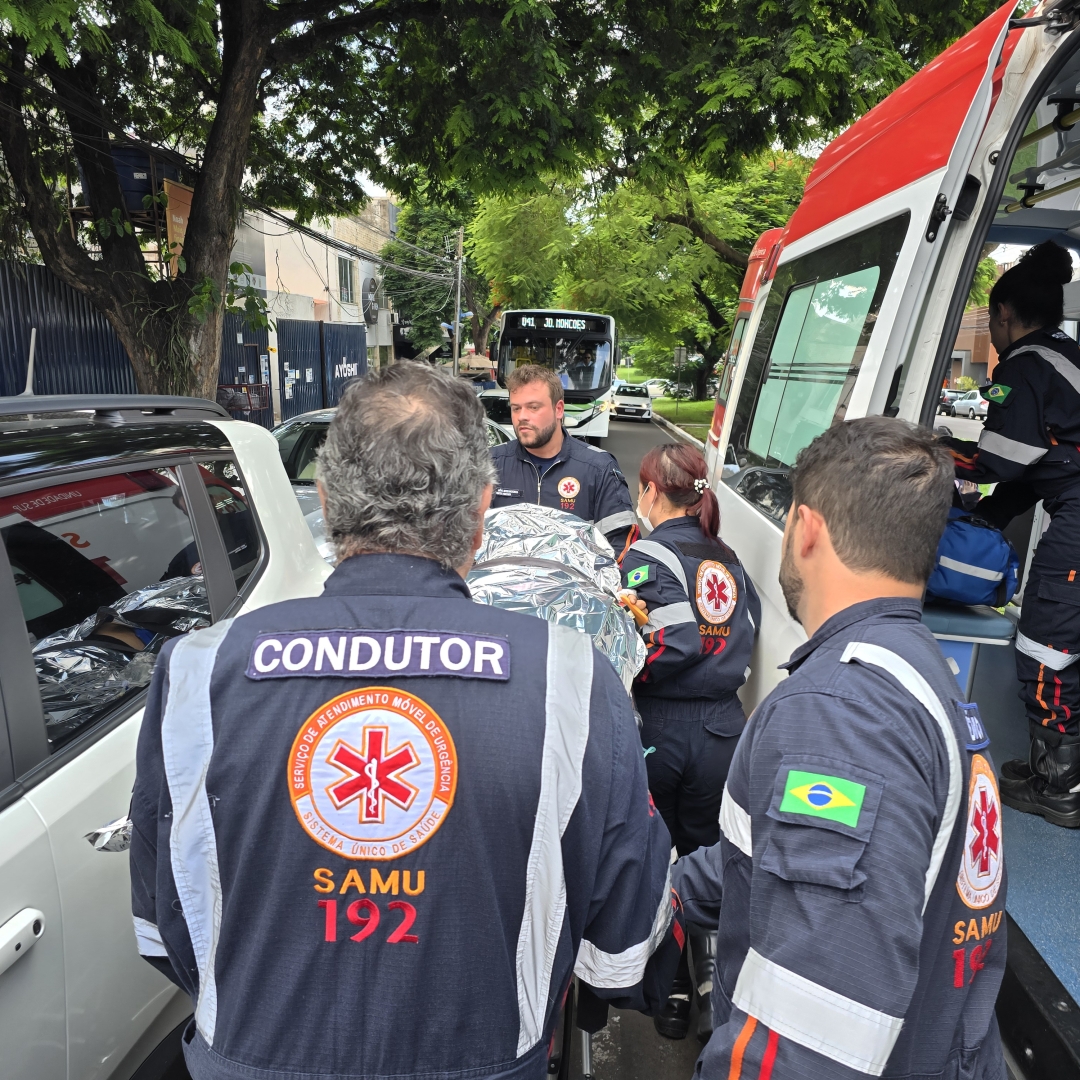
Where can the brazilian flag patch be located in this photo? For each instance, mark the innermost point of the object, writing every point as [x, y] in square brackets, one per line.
[997, 393]
[816, 795]
[638, 577]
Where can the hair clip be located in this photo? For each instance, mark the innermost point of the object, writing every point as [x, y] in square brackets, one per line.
[700, 485]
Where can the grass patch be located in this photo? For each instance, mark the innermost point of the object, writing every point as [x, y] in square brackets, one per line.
[691, 413]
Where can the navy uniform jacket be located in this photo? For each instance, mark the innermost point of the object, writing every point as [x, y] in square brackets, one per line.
[380, 851]
[582, 480]
[861, 869]
[1032, 427]
[703, 614]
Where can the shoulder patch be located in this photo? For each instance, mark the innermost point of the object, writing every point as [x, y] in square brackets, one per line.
[997, 393]
[639, 576]
[819, 796]
[981, 865]
[977, 737]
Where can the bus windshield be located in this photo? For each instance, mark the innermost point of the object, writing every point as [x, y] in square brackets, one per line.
[581, 363]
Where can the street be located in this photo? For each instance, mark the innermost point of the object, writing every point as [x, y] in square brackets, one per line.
[629, 1047]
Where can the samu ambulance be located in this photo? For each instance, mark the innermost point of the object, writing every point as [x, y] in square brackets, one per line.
[857, 308]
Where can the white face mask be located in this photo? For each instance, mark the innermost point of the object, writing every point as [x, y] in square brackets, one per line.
[646, 524]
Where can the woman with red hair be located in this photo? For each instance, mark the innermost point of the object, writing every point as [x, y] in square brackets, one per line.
[703, 614]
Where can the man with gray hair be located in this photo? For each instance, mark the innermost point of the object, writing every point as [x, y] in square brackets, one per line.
[376, 831]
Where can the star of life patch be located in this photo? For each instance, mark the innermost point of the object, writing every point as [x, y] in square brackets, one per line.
[372, 773]
[717, 592]
[817, 795]
[981, 865]
[638, 577]
[569, 487]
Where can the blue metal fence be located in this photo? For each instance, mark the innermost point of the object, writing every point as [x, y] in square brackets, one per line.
[300, 366]
[245, 359]
[344, 356]
[77, 349]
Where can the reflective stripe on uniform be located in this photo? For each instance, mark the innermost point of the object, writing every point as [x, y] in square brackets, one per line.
[624, 519]
[187, 743]
[1066, 369]
[1010, 449]
[812, 1015]
[613, 971]
[969, 569]
[735, 824]
[651, 549]
[919, 689]
[1054, 659]
[670, 615]
[566, 733]
[148, 938]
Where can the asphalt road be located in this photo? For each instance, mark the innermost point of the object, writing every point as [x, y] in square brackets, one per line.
[629, 1047]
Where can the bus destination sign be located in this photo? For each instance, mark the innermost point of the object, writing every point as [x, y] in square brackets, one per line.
[551, 322]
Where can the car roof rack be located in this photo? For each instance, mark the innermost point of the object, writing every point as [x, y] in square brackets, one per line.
[114, 408]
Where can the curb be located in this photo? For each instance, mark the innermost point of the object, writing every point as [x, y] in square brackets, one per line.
[678, 432]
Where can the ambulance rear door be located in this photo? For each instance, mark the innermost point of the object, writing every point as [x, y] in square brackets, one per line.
[858, 258]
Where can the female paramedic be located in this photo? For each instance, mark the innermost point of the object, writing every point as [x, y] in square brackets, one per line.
[702, 617]
[1029, 445]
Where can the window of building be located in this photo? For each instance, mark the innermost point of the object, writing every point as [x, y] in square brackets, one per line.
[346, 280]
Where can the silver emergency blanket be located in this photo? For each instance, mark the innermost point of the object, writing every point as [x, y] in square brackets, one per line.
[556, 566]
[80, 674]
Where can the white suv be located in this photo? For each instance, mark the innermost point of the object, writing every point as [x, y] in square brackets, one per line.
[125, 521]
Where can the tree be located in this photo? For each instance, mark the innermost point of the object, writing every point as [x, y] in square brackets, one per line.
[636, 258]
[289, 102]
[986, 274]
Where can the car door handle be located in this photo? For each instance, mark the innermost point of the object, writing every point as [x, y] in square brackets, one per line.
[18, 934]
[116, 836]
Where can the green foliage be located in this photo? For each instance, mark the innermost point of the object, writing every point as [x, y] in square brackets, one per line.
[966, 383]
[986, 273]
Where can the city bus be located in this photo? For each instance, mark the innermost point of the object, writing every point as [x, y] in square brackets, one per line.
[858, 315]
[579, 346]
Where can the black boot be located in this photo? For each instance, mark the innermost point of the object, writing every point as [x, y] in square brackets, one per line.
[673, 1020]
[1016, 769]
[703, 947]
[1053, 788]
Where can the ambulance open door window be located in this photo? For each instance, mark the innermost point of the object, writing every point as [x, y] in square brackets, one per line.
[813, 335]
[233, 516]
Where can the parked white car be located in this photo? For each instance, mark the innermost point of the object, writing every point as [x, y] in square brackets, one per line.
[298, 441]
[125, 521]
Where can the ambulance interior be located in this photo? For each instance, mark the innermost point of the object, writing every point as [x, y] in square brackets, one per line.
[789, 394]
[1040, 201]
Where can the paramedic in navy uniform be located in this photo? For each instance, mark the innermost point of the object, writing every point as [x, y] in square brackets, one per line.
[860, 868]
[1030, 442]
[546, 466]
[376, 831]
[703, 614]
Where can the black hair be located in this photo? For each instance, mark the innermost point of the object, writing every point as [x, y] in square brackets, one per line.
[1033, 286]
[884, 488]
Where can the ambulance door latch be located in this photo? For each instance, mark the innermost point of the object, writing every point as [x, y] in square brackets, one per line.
[937, 216]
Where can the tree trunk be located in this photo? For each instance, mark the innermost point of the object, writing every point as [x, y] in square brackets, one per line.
[171, 329]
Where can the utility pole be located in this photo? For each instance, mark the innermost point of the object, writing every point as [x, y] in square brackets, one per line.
[457, 301]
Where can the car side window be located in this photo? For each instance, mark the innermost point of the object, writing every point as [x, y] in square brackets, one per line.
[106, 571]
[813, 334]
[233, 515]
[495, 435]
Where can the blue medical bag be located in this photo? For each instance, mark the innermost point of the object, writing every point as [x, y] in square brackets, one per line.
[975, 563]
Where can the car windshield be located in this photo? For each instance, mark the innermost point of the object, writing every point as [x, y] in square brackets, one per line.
[298, 445]
[497, 408]
[633, 391]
